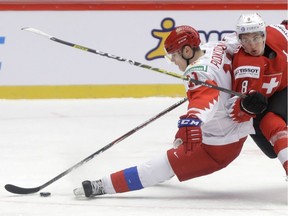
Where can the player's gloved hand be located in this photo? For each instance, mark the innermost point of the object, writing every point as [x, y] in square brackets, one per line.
[233, 107]
[254, 103]
[189, 133]
[241, 110]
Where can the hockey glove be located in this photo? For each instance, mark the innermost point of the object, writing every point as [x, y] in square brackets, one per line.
[235, 111]
[254, 103]
[189, 133]
[240, 110]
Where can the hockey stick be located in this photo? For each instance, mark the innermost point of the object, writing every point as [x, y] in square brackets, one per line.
[135, 63]
[19, 190]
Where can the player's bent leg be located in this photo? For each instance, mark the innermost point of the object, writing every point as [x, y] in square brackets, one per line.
[204, 160]
[274, 129]
[277, 105]
[260, 140]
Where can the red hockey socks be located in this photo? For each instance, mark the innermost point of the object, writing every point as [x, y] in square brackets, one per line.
[274, 129]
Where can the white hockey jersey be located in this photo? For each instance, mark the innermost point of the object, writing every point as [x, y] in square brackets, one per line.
[208, 104]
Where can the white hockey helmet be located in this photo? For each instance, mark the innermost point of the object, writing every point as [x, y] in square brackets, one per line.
[250, 23]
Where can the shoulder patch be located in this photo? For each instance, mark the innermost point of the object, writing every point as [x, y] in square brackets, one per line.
[199, 68]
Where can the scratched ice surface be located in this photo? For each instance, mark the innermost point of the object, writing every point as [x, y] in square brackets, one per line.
[39, 139]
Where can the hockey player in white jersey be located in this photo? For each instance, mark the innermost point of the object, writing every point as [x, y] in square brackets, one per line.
[207, 139]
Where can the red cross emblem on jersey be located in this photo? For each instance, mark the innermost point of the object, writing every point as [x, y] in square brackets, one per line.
[271, 83]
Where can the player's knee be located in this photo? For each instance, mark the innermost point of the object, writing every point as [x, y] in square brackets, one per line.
[271, 124]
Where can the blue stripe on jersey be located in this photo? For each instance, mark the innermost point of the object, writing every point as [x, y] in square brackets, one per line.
[132, 178]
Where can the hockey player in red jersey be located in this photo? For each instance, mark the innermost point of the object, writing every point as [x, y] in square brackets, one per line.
[207, 139]
[260, 69]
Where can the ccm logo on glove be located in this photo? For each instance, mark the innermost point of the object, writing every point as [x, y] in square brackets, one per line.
[188, 122]
[189, 134]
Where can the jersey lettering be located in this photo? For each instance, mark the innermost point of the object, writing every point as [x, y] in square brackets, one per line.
[217, 55]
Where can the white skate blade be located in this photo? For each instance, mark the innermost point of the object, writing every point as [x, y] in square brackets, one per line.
[79, 192]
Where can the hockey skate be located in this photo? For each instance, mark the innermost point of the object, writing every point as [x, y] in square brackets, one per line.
[89, 189]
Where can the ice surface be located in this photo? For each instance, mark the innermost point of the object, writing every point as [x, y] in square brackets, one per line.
[39, 139]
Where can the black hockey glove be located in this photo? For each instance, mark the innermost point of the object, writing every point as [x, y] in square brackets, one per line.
[254, 103]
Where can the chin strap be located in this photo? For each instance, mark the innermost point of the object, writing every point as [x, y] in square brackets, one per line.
[188, 59]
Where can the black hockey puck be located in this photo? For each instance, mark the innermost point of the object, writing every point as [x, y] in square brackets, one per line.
[45, 194]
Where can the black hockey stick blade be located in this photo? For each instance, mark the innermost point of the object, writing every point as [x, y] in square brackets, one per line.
[18, 190]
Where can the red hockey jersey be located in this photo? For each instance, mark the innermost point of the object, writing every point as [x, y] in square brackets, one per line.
[268, 73]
